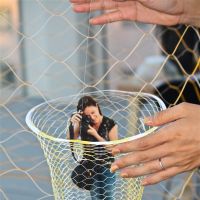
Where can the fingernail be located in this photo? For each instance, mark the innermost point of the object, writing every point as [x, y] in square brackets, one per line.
[124, 175]
[144, 182]
[148, 120]
[77, 8]
[92, 21]
[115, 151]
[113, 168]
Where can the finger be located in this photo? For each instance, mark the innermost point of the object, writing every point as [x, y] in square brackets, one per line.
[90, 127]
[154, 139]
[166, 116]
[137, 158]
[141, 170]
[97, 5]
[107, 18]
[109, 147]
[80, 1]
[78, 115]
[161, 176]
[148, 167]
[76, 118]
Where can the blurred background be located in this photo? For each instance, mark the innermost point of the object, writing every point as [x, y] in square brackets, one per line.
[47, 51]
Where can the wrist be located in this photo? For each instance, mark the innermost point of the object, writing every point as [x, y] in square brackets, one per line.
[96, 135]
[99, 138]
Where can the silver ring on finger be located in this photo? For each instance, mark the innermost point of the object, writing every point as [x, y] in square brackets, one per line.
[162, 167]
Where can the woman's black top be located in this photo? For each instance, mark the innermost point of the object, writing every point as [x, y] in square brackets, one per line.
[98, 153]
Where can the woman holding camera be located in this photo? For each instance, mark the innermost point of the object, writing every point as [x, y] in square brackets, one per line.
[89, 123]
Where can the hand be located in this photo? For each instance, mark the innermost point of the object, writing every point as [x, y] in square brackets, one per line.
[164, 12]
[92, 131]
[177, 143]
[76, 119]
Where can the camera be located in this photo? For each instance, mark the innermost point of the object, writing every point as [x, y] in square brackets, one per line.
[84, 126]
[85, 122]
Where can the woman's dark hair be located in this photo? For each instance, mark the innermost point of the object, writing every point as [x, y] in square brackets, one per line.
[86, 101]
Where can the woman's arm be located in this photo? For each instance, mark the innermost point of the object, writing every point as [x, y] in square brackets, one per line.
[76, 133]
[113, 134]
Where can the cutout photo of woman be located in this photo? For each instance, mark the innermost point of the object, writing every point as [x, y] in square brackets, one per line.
[91, 125]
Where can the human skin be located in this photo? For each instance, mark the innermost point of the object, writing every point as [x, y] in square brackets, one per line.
[170, 12]
[177, 144]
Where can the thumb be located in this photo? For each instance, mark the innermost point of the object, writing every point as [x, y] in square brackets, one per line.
[166, 116]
